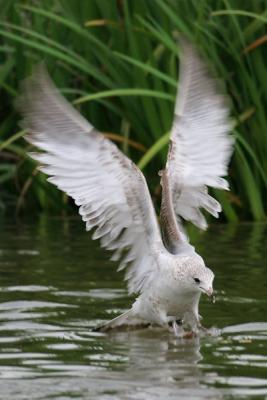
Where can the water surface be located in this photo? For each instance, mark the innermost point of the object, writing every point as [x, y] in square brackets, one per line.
[56, 284]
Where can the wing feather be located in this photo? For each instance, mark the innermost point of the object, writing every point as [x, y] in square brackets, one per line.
[109, 189]
[200, 144]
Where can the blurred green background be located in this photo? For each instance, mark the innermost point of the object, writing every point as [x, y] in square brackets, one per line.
[118, 62]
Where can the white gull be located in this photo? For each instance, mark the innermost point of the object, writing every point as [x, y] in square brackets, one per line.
[112, 194]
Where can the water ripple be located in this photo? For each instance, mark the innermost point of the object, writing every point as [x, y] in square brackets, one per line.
[55, 285]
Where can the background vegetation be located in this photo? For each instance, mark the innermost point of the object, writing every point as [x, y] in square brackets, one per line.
[117, 61]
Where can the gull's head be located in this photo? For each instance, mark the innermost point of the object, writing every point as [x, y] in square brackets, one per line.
[202, 280]
[197, 277]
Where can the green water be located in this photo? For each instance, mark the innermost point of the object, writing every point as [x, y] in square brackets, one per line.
[56, 284]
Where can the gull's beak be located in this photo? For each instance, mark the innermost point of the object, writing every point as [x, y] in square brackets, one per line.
[209, 291]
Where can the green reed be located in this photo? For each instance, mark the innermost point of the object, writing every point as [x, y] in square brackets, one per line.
[118, 63]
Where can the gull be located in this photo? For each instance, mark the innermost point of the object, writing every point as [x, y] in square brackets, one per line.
[161, 267]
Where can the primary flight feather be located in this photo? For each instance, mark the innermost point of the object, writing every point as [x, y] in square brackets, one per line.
[113, 197]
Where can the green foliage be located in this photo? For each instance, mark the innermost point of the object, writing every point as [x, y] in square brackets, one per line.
[117, 62]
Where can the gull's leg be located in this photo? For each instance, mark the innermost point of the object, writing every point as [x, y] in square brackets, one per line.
[192, 320]
[201, 327]
[175, 326]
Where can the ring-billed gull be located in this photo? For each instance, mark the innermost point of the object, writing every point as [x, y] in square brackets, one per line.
[112, 194]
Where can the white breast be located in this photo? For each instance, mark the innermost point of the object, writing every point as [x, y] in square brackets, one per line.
[166, 297]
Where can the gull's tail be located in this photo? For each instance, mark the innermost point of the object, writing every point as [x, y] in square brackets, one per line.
[127, 319]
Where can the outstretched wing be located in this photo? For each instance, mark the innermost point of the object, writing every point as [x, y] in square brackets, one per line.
[200, 145]
[111, 191]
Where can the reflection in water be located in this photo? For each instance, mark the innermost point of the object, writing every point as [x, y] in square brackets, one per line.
[56, 284]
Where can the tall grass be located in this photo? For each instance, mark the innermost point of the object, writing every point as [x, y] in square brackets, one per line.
[117, 61]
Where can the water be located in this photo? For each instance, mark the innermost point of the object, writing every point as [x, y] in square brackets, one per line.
[56, 284]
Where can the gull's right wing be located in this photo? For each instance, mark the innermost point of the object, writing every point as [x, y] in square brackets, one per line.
[107, 186]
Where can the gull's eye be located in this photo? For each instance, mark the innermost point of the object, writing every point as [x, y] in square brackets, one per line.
[197, 280]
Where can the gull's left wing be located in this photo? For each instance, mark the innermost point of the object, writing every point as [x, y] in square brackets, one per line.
[107, 186]
[200, 147]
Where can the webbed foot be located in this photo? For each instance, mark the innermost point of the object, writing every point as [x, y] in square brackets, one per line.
[189, 335]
